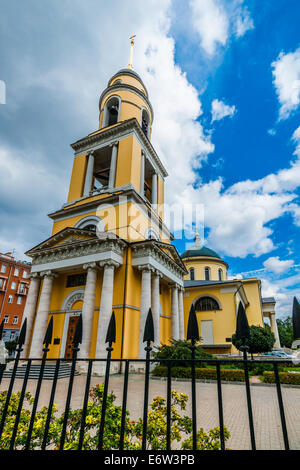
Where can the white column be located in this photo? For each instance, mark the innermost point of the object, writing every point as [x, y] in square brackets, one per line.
[181, 313]
[154, 188]
[155, 306]
[145, 305]
[41, 319]
[30, 307]
[89, 175]
[105, 307]
[113, 166]
[142, 174]
[174, 312]
[88, 309]
[274, 329]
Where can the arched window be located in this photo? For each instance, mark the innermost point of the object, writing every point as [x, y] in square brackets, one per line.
[152, 234]
[92, 223]
[111, 111]
[207, 273]
[192, 274]
[145, 122]
[206, 303]
[220, 272]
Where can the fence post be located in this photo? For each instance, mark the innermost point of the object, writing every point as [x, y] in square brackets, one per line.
[148, 337]
[2, 346]
[110, 339]
[193, 335]
[46, 342]
[19, 349]
[76, 341]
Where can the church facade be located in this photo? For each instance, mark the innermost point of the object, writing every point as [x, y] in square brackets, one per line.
[110, 249]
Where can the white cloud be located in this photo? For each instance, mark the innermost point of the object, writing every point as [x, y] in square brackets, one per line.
[219, 110]
[215, 21]
[286, 73]
[278, 266]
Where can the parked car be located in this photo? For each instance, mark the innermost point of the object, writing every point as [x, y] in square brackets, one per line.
[277, 353]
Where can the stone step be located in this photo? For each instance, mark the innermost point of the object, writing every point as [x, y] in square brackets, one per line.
[49, 370]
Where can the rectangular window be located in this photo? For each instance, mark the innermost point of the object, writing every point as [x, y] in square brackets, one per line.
[6, 318]
[1, 282]
[207, 332]
[22, 288]
[13, 285]
[3, 268]
[15, 320]
[76, 280]
[25, 274]
[19, 301]
[12, 335]
[16, 273]
[10, 299]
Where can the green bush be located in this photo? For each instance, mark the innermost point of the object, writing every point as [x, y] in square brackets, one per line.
[261, 340]
[284, 377]
[234, 375]
[178, 351]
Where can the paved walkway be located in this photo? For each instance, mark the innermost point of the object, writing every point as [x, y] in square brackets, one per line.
[267, 423]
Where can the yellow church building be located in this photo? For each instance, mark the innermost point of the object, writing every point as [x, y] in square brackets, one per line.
[110, 249]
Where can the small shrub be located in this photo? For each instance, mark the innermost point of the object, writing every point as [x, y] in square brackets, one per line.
[284, 377]
[234, 375]
[207, 441]
[179, 351]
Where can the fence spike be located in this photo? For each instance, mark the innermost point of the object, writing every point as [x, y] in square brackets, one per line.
[111, 331]
[49, 332]
[296, 319]
[78, 332]
[149, 327]
[242, 326]
[22, 335]
[1, 329]
[192, 328]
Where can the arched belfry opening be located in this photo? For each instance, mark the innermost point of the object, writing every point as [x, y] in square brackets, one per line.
[145, 123]
[111, 112]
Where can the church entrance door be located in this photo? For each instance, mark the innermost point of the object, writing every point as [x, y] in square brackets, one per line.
[70, 336]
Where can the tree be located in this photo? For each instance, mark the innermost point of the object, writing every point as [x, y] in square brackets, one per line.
[285, 331]
[261, 340]
[178, 351]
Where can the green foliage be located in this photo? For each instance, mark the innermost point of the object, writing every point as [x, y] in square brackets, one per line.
[207, 441]
[178, 351]
[261, 340]
[181, 425]
[11, 345]
[234, 375]
[284, 377]
[285, 331]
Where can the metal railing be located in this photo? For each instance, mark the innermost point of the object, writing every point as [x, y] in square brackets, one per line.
[192, 336]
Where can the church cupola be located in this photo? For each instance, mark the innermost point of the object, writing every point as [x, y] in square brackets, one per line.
[126, 97]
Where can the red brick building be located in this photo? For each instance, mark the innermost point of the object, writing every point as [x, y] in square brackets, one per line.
[14, 284]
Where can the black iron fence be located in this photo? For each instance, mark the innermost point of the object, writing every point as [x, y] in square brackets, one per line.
[192, 335]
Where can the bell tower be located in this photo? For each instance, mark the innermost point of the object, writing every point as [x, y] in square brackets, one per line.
[117, 175]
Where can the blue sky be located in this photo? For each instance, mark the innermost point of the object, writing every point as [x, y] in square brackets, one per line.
[224, 80]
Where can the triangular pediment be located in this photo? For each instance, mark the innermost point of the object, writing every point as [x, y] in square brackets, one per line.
[67, 236]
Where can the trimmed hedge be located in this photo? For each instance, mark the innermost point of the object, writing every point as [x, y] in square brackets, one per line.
[284, 377]
[233, 375]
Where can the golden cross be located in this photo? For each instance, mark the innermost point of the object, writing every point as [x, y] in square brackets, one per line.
[131, 51]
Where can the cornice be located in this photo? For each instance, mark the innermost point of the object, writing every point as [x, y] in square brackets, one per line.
[116, 132]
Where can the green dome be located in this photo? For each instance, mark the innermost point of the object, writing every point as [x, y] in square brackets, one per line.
[203, 251]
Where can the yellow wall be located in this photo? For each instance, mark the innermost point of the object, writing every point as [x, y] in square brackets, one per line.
[200, 265]
[77, 178]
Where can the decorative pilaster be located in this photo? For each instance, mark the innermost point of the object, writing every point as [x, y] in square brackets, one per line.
[174, 312]
[155, 306]
[145, 304]
[41, 319]
[89, 175]
[181, 313]
[105, 306]
[30, 307]
[154, 189]
[274, 329]
[113, 166]
[88, 309]
[142, 182]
